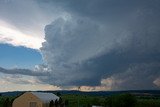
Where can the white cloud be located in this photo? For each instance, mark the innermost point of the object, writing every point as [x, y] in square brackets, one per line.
[22, 22]
[11, 35]
[157, 82]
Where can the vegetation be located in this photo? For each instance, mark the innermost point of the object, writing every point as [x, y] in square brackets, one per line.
[6, 101]
[120, 100]
[124, 100]
[57, 103]
[83, 100]
[148, 103]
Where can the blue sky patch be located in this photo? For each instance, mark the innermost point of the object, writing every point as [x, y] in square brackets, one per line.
[22, 57]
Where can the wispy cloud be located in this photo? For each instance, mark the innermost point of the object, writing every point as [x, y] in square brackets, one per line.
[11, 35]
[11, 82]
[23, 72]
[22, 22]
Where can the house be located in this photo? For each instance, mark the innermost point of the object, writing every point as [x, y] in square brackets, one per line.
[34, 99]
[96, 106]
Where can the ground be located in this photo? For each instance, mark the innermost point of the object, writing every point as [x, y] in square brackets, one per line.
[82, 100]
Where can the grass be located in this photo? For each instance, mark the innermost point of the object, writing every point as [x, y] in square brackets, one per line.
[88, 100]
[82, 100]
[148, 103]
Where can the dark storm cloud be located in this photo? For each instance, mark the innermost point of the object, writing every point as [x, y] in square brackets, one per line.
[137, 76]
[102, 39]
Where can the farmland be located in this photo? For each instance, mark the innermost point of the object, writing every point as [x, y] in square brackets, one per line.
[83, 99]
[87, 101]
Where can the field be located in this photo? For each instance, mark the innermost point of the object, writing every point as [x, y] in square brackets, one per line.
[85, 100]
[148, 103]
[88, 100]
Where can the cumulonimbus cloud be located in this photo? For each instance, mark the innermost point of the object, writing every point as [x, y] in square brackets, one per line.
[110, 44]
[84, 49]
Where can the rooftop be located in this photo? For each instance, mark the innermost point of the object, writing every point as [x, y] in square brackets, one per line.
[45, 97]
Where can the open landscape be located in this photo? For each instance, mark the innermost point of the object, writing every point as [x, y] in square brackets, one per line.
[143, 98]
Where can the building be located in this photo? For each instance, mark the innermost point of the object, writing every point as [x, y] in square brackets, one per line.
[96, 106]
[34, 99]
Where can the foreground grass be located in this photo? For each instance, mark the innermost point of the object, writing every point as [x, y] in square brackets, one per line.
[88, 100]
[148, 103]
[83, 100]
[74, 100]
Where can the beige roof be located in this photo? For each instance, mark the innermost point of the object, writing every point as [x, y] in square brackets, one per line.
[45, 97]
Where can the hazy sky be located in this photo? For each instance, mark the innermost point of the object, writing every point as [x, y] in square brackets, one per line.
[95, 44]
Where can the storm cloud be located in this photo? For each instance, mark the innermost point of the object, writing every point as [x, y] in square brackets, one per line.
[98, 40]
[109, 44]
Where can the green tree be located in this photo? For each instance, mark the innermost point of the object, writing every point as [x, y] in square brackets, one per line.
[56, 103]
[6, 103]
[51, 104]
[12, 101]
[66, 103]
[96, 101]
[58, 94]
[122, 100]
[60, 100]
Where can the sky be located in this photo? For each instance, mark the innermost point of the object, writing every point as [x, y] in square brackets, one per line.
[98, 45]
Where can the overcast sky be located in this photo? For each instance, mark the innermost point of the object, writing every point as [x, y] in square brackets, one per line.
[95, 44]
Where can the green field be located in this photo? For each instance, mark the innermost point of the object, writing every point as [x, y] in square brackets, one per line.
[148, 103]
[87, 101]
[83, 100]
[80, 100]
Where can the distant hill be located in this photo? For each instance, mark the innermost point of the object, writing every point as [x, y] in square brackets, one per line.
[95, 93]
[14, 93]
